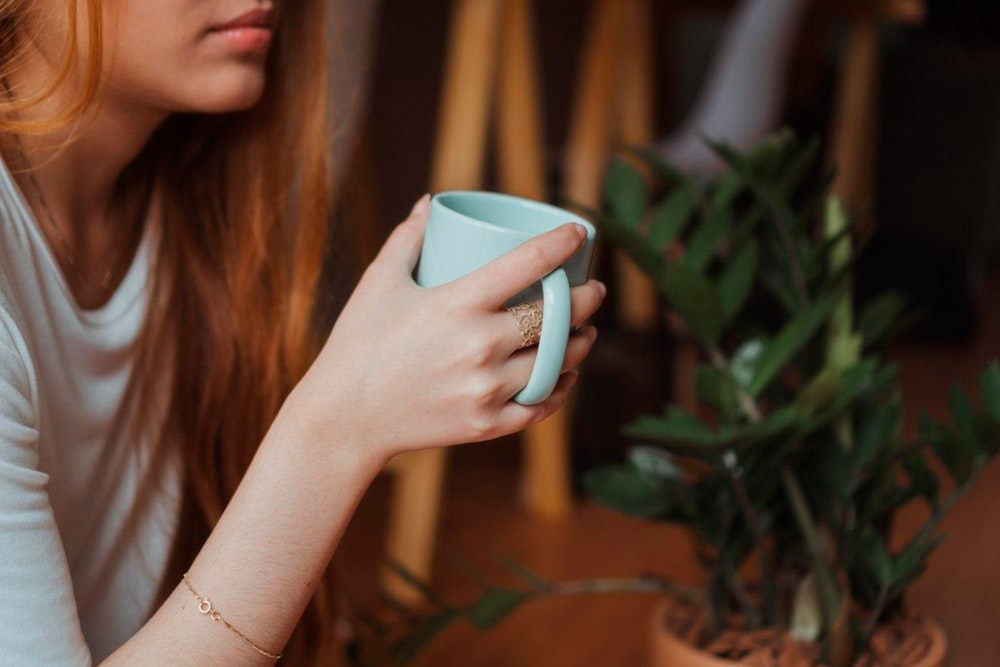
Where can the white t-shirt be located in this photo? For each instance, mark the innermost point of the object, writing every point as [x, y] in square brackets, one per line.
[86, 520]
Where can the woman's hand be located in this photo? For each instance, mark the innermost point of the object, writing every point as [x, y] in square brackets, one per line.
[408, 367]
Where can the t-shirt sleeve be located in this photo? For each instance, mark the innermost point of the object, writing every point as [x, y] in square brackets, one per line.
[39, 624]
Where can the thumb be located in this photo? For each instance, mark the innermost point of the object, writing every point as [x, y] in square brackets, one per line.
[402, 248]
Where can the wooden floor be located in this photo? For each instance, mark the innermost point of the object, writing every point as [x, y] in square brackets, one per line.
[481, 518]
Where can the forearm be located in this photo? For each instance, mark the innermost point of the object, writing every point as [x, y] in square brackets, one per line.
[265, 556]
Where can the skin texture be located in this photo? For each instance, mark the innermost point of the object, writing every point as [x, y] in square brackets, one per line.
[447, 364]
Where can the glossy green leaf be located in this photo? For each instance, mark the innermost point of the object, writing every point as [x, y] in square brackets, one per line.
[743, 365]
[655, 160]
[987, 434]
[726, 188]
[912, 561]
[778, 423]
[790, 341]
[989, 390]
[878, 433]
[737, 279]
[494, 605]
[676, 427]
[863, 380]
[880, 559]
[520, 571]
[796, 169]
[407, 649]
[915, 465]
[962, 416]
[717, 388]
[633, 243]
[624, 488]
[625, 191]
[655, 462]
[957, 454]
[820, 391]
[878, 317]
[706, 238]
[696, 300]
[671, 216]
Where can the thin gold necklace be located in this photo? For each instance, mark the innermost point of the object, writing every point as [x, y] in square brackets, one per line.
[68, 257]
[50, 221]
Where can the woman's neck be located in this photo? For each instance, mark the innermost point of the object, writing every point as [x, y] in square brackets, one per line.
[72, 185]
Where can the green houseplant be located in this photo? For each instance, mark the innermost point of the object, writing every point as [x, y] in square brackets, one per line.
[794, 461]
[789, 473]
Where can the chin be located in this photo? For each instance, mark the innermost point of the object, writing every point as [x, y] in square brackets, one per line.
[236, 91]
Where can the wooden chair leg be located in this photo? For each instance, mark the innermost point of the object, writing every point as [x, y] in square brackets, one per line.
[459, 155]
[545, 482]
[413, 519]
[636, 294]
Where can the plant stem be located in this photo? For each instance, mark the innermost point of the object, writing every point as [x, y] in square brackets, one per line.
[843, 347]
[742, 595]
[765, 559]
[876, 615]
[782, 222]
[717, 586]
[925, 530]
[825, 584]
[941, 510]
[625, 585]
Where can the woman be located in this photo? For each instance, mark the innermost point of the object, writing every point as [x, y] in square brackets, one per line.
[171, 439]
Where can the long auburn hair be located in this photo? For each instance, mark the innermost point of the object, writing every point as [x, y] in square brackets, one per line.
[243, 202]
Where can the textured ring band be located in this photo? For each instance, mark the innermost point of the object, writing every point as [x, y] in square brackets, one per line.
[529, 320]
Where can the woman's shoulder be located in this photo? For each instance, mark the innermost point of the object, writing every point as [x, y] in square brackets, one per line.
[18, 388]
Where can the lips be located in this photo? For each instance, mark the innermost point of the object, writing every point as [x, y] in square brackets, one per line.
[257, 18]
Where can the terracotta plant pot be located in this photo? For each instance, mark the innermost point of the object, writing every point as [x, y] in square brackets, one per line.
[668, 650]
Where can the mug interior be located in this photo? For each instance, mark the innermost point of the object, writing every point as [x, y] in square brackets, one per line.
[509, 212]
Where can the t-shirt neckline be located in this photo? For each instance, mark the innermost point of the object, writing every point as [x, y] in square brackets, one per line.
[127, 291]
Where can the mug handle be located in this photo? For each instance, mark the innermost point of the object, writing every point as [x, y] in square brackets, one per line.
[554, 337]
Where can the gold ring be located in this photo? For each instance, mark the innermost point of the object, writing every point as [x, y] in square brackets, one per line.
[529, 321]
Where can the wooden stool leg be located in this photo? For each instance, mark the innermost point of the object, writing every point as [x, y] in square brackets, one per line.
[521, 166]
[854, 125]
[590, 131]
[636, 294]
[459, 155]
[545, 482]
[413, 519]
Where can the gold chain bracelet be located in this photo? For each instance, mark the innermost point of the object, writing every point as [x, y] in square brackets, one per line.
[205, 607]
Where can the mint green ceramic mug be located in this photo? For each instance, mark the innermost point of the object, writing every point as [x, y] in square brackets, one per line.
[467, 230]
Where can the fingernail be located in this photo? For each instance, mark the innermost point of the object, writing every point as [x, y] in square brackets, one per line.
[579, 230]
[592, 333]
[603, 289]
[421, 206]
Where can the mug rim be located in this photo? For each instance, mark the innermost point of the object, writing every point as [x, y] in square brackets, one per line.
[440, 199]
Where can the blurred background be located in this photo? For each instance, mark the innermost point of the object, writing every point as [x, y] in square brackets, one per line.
[535, 98]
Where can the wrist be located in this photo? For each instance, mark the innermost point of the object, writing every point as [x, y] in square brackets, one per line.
[320, 437]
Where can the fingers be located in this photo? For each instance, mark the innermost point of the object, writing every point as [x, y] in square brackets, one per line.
[505, 276]
[585, 300]
[515, 417]
[402, 249]
[517, 369]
